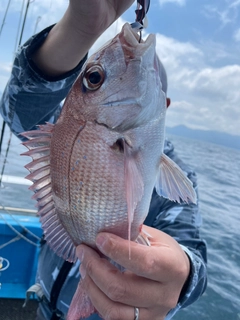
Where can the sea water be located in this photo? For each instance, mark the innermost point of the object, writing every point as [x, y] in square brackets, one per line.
[218, 170]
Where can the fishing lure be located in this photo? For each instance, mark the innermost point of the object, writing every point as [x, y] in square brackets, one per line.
[141, 11]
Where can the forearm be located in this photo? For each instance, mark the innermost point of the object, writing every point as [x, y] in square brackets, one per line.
[73, 36]
[30, 97]
[64, 47]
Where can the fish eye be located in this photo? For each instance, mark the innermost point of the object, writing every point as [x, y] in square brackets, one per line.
[93, 77]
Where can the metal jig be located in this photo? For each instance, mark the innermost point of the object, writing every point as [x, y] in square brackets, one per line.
[141, 11]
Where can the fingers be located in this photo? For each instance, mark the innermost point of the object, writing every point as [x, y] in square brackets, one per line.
[150, 262]
[124, 287]
[152, 281]
[107, 308]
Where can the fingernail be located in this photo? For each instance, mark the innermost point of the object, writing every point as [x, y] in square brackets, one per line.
[82, 271]
[100, 241]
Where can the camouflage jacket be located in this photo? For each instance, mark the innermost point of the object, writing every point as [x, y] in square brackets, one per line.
[30, 98]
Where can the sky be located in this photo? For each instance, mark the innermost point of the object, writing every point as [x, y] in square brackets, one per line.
[198, 41]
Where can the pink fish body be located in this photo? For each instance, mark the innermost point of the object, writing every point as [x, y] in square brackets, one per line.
[96, 168]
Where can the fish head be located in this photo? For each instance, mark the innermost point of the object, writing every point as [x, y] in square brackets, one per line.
[120, 85]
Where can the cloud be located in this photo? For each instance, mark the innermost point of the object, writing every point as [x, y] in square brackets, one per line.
[228, 15]
[49, 11]
[6, 67]
[224, 16]
[235, 4]
[13, 5]
[3, 81]
[179, 2]
[236, 35]
[202, 96]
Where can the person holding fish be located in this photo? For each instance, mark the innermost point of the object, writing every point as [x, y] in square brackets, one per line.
[113, 200]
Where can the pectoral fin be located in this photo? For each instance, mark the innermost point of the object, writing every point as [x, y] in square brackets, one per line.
[172, 183]
[133, 184]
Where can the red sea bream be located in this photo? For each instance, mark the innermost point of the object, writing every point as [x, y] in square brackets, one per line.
[96, 168]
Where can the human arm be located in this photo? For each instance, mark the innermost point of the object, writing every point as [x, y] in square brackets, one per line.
[47, 65]
[71, 38]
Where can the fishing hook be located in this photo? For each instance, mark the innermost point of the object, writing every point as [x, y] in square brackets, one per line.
[141, 11]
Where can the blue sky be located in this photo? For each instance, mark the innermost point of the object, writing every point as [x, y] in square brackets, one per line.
[197, 40]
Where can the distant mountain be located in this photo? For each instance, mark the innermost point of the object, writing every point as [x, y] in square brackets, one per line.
[221, 138]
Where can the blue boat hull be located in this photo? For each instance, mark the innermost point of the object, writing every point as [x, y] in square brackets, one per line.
[22, 255]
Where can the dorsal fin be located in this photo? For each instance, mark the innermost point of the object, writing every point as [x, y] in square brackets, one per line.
[56, 236]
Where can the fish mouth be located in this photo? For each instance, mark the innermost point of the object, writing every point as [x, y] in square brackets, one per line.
[130, 38]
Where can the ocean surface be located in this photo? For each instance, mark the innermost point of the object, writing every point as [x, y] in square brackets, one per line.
[218, 170]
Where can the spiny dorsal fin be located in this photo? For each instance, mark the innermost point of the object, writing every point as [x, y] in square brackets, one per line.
[56, 236]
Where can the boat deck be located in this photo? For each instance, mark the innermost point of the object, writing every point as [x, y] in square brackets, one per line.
[11, 309]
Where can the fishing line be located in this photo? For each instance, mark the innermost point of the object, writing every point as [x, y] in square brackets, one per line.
[5, 158]
[22, 226]
[4, 123]
[36, 24]
[18, 233]
[2, 135]
[4, 18]
[24, 21]
[9, 242]
[18, 29]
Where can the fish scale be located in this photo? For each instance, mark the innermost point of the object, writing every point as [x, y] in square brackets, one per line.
[96, 197]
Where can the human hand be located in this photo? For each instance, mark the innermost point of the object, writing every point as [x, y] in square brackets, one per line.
[152, 282]
[93, 17]
[72, 37]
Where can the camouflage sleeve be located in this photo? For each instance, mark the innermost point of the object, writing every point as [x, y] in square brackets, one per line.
[182, 222]
[30, 97]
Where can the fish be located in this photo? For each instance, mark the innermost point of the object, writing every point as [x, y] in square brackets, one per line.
[95, 169]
